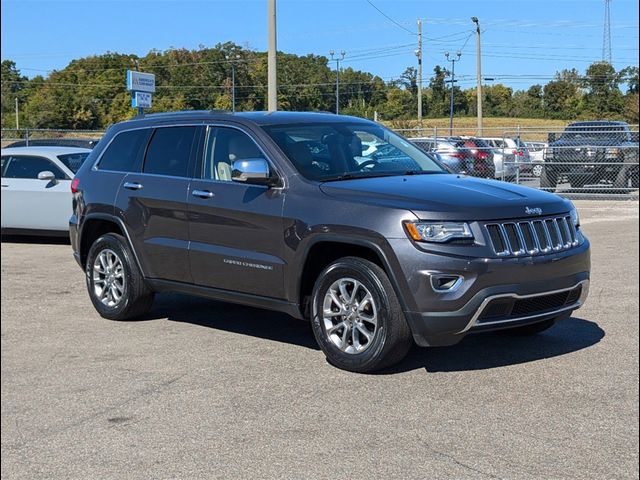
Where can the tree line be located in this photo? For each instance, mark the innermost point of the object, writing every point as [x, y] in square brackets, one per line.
[89, 93]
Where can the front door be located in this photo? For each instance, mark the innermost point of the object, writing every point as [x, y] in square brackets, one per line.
[236, 230]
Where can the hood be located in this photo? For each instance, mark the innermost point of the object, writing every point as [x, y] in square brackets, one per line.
[448, 197]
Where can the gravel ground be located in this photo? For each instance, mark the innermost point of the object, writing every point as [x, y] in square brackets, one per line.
[204, 389]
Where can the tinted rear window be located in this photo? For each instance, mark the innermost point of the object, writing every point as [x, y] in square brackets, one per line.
[169, 151]
[73, 161]
[125, 150]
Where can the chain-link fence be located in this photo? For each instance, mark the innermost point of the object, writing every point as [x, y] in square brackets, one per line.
[585, 158]
[12, 137]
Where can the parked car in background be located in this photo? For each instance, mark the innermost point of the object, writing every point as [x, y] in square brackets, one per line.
[514, 152]
[55, 142]
[591, 153]
[451, 152]
[536, 152]
[483, 156]
[36, 188]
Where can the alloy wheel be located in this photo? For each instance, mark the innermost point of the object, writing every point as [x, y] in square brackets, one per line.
[350, 315]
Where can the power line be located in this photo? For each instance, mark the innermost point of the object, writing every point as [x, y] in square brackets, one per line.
[391, 19]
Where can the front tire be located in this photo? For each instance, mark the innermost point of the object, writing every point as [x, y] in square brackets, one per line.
[357, 319]
[116, 286]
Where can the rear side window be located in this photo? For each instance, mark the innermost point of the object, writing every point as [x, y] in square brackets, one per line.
[73, 161]
[124, 151]
[28, 166]
[169, 151]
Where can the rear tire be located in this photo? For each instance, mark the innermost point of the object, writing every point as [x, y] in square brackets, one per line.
[357, 319]
[116, 286]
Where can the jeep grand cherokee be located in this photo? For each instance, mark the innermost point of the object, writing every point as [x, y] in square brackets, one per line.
[287, 211]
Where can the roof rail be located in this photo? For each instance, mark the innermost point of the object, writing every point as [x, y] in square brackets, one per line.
[184, 112]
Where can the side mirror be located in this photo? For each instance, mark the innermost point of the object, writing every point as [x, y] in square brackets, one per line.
[47, 175]
[552, 138]
[251, 170]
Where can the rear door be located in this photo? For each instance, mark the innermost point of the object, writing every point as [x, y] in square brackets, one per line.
[153, 203]
[29, 203]
[236, 230]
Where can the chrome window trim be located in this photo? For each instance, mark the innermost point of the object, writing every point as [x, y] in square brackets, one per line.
[485, 302]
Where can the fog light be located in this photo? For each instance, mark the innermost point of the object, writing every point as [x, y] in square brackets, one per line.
[446, 283]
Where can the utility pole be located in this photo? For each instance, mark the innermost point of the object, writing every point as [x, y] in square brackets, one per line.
[337, 60]
[272, 77]
[17, 116]
[453, 80]
[419, 55]
[233, 80]
[478, 75]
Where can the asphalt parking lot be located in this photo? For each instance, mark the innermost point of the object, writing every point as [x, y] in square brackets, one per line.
[203, 389]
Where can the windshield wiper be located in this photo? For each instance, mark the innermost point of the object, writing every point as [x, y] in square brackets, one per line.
[353, 176]
[422, 172]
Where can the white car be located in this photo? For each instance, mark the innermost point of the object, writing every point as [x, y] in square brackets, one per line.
[36, 188]
[536, 151]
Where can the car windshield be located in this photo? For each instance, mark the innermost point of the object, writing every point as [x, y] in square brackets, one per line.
[73, 161]
[574, 132]
[341, 150]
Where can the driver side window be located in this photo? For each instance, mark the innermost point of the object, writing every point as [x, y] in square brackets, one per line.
[28, 166]
[223, 147]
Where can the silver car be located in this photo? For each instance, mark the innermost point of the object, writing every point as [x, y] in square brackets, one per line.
[36, 188]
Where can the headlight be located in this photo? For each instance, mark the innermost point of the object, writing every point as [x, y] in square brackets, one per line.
[548, 153]
[575, 218]
[439, 232]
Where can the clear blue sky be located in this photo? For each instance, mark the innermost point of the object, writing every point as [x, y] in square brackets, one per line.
[524, 41]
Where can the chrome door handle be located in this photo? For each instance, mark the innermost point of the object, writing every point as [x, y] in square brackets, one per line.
[132, 185]
[202, 193]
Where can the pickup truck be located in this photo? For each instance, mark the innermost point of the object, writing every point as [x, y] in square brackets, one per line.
[592, 153]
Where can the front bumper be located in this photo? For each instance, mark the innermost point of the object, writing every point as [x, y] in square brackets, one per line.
[444, 318]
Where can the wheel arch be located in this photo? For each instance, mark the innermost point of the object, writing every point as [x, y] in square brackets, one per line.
[326, 249]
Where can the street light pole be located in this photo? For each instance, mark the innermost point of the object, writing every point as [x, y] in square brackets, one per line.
[453, 79]
[478, 75]
[337, 60]
[233, 81]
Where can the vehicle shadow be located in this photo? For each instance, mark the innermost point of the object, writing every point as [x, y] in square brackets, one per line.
[498, 349]
[475, 352]
[233, 318]
[36, 240]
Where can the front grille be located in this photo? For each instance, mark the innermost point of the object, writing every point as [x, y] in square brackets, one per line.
[505, 309]
[532, 237]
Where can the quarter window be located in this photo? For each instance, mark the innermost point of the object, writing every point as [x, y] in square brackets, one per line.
[169, 151]
[28, 166]
[125, 151]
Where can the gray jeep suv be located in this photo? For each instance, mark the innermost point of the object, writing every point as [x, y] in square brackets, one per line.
[378, 246]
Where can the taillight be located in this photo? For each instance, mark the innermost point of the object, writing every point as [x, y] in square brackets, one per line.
[457, 155]
[75, 184]
[519, 153]
[483, 155]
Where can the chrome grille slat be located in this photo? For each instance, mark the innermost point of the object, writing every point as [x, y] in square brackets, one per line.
[532, 237]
